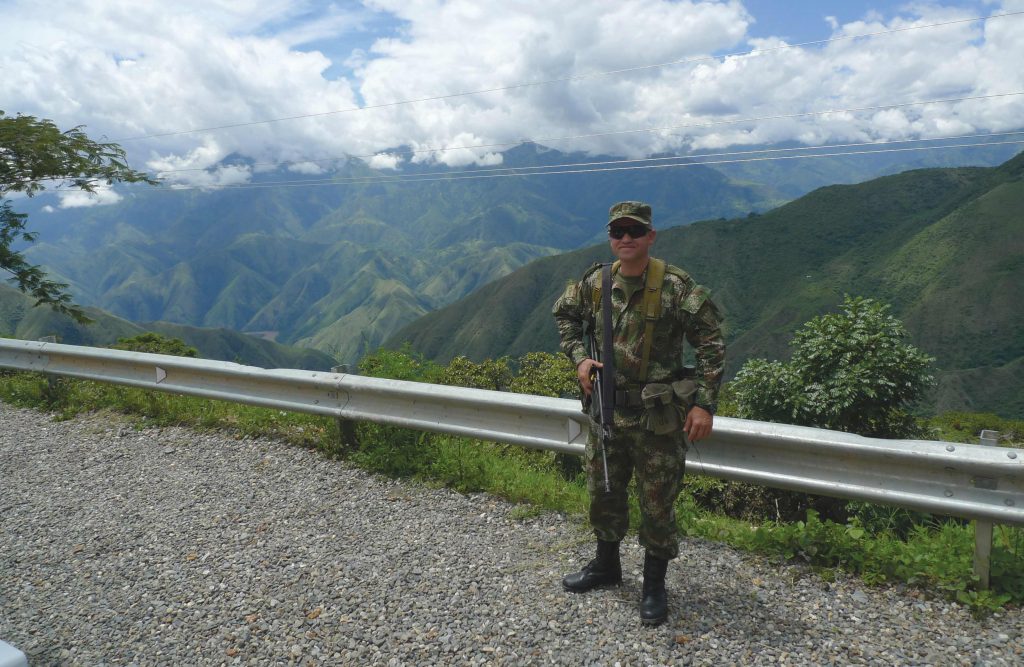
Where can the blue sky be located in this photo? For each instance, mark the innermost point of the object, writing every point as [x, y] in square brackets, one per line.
[804, 20]
[795, 21]
[126, 70]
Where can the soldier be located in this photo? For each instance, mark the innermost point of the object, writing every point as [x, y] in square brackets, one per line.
[650, 436]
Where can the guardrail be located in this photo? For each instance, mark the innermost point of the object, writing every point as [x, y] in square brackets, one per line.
[969, 481]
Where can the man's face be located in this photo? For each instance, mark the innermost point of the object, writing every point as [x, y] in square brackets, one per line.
[630, 248]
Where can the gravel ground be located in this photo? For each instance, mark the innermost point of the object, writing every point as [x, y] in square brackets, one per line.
[170, 547]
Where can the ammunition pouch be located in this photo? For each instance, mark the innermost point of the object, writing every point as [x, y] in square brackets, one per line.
[665, 405]
[661, 415]
[685, 392]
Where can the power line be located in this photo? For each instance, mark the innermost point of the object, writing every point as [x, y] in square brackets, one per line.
[253, 186]
[577, 77]
[341, 180]
[632, 131]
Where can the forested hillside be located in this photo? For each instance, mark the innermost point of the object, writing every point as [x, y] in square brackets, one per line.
[18, 319]
[944, 246]
[340, 268]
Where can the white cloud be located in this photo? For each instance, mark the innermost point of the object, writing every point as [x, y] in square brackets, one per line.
[48, 209]
[385, 161]
[219, 176]
[308, 168]
[103, 196]
[126, 69]
[200, 157]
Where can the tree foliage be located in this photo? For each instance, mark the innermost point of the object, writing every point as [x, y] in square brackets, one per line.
[493, 374]
[33, 153]
[156, 344]
[546, 374]
[850, 371]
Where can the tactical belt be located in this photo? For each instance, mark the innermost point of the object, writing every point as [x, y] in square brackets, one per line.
[628, 398]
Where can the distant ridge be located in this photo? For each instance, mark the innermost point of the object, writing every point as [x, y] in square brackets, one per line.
[944, 246]
[19, 319]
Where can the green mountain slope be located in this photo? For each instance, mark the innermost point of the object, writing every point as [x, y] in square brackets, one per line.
[18, 319]
[942, 245]
[341, 268]
[792, 178]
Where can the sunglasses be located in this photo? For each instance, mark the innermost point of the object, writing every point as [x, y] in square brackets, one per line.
[635, 231]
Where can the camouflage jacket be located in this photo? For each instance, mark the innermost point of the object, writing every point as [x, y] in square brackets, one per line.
[686, 312]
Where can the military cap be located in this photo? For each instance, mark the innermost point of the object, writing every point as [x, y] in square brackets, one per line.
[634, 210]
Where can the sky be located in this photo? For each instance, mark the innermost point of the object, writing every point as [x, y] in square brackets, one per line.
[128, 70]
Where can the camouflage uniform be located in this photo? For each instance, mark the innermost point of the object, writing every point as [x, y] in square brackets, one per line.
[687, 313]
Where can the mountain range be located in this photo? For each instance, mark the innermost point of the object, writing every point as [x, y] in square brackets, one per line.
[945, 247]
[340, 267]
[19, 319]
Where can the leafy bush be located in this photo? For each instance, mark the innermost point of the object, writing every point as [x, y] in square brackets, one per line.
[850, 371]
[391, 450]
[403, 364]
[493, 374]
[156, 344]
[546, 374]
[967, 426]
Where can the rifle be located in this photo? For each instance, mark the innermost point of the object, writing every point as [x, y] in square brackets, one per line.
[605, 416]
[603, 379]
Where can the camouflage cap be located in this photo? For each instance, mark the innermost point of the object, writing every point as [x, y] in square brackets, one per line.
[634, 210]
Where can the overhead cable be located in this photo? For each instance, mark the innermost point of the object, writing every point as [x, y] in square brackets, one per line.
[693, 157]
[593, 135]
[614, 132]
[564, 79]
[372, 180]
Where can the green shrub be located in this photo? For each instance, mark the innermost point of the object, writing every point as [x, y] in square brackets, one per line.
[967, 427]
[546, 374]
[403, 364]
[850, 371]
[156, 344]
[493, 374]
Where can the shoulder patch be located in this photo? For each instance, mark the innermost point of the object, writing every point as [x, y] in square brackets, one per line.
[695, 299]
[676, 271]
[589, 272]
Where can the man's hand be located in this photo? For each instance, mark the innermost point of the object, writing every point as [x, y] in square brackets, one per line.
[698, 423]
[583, 373]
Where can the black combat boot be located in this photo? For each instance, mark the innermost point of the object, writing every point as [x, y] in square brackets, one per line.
[605, 570]
[654, 606]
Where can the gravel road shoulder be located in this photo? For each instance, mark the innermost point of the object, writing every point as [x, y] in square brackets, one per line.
[171, 547]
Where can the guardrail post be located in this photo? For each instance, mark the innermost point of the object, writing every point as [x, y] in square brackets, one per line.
[346, 427]
[983, 530]
[51, 379]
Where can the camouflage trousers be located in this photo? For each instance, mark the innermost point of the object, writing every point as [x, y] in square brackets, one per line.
[659, 462]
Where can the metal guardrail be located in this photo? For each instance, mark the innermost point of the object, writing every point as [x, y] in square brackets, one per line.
[531, 421]
[970, 481]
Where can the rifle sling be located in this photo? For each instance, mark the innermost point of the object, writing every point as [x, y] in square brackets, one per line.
[651, 305]
[652, 309]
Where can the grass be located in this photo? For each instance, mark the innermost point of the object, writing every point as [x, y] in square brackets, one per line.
[937, 557]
